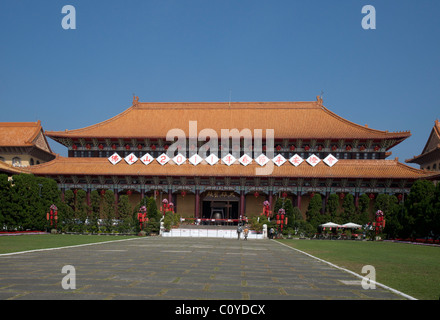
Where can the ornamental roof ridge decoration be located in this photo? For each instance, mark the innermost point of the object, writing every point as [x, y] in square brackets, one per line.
[302, 120]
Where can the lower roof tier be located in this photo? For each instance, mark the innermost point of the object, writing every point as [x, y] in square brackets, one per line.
[343, 169]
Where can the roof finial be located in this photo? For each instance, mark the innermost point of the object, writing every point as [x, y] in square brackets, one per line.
[135, 99]
[319, 99]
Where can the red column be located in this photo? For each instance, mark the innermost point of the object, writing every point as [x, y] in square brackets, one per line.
[299, 200]
[170, 196]
[242, 199]
[197, 204]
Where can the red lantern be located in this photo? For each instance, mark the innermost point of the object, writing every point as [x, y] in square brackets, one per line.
[100, 146]
[153, 147]
[278, 148]
[376, 148]
[256, 194]
[166, 147]
[334, 147]
[129, 192]
[139, 146]
[74, 147]
[307, 148]
[348, 148]
[319, 148]
[371, 196]
[284, 194]
[292, 148]
[400, 197]
[362, 148]
[342, 196]
[88, 146]
[114, 146]
[127, 147]
[102, 192]
[183, 193]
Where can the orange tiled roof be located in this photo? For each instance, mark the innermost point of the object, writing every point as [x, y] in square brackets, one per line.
[432, 146]
[380, 169]
[23, 134]
[294, 120]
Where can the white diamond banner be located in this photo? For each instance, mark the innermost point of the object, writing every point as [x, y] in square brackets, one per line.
[313, 160]
[212, 159]
[296, 160]
[279, 160]
[163, 159]
[147, 159]
[131, 158]
[330, 160]
[195, 159]
[114, 158]
[262, 159]
[245, 160]
[228, 159]
[179, 159]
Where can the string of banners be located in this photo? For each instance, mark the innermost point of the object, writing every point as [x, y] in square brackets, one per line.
[228, 160]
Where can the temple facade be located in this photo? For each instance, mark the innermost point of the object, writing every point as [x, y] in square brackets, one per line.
[226, 159]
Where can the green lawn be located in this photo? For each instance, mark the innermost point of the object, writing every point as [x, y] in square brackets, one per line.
[18, 243]
[411, 269]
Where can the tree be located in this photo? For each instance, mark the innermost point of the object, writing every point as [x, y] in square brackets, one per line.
[6, 221]
[332, 208]
[108, 210]
[363, 210]
[349, 208]
[95, 211]
[420, 204]
[125, 214]
[314, 210]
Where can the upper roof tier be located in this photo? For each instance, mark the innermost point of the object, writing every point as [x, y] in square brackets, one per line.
[290, 120]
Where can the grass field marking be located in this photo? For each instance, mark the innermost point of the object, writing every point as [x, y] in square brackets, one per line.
[349, 271]
[65, 247]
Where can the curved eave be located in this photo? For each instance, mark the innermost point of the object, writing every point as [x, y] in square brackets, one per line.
[351, 169]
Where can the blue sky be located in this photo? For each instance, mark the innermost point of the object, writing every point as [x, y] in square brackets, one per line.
[194, 50]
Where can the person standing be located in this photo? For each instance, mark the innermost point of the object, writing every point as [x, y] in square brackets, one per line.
[246, 232]
[239, 231]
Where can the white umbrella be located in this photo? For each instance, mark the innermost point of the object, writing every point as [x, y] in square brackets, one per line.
[351, 225]
[330, 225]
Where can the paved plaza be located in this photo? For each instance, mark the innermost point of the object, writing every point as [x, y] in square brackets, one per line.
[179, 268]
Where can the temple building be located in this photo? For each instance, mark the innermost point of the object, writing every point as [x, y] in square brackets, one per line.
[429, 159]
[297, 149]
[22, 144]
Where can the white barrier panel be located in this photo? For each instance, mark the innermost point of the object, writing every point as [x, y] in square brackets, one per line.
[210, 233]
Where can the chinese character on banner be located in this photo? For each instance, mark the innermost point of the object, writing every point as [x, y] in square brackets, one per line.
[245, 160]
[212, 159]
[262, 160]
[179, 159]
[147, 159]
[279, 160]
[163, 159]
[296, 160]
[114, 158]
[195, 159]
[313, 160]
[130, 159]
[228, 159]
[330, 160]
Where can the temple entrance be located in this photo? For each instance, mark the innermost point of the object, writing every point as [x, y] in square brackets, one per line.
[220, 208]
